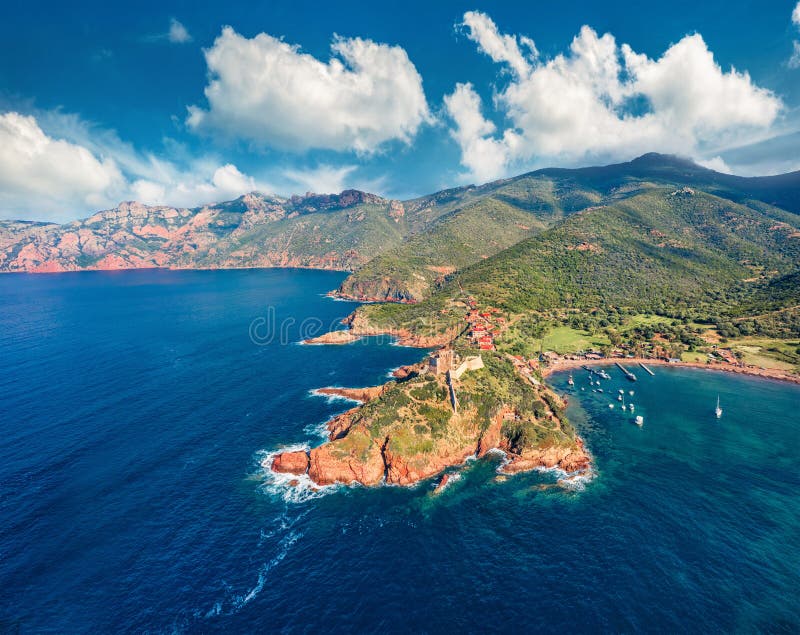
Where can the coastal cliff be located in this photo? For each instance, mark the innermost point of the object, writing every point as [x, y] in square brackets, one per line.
[414, 428]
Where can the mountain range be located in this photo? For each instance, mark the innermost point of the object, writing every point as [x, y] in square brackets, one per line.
[669, 228]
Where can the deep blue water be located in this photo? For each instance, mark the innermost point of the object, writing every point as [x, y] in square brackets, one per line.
[135, 409]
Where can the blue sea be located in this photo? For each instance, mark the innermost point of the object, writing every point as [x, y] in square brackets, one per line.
[136, 408]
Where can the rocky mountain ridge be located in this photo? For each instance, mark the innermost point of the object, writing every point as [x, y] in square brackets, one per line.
[255, 230]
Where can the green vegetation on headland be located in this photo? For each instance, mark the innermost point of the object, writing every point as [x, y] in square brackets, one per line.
[433, 419]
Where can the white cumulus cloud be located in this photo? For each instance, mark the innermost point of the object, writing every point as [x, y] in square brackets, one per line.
[73, 172]
[501, 48]
[187, 189]
[52, 172]
[269, 93]
[601, 100]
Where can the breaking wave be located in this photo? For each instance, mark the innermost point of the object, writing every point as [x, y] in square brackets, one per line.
[577, 481]
[291, 488]
[315, 392]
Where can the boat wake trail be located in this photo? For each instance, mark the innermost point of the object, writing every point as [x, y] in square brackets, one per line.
[286, 532]
[285, 545]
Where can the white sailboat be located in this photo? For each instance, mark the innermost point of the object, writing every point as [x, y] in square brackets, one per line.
[639, 420]
[718, 410]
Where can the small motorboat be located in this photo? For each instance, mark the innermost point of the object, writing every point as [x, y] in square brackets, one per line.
[639, 420]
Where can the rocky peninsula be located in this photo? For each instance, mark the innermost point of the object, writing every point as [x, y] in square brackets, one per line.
[437, 414]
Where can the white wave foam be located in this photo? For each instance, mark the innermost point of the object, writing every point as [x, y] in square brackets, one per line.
[577, 481]
[337, 298]
[318, 430]
[503, 456]
[315, 392]
[451, 478]
[291, 488]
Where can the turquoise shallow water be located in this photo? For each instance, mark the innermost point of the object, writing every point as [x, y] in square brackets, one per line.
[134, 411]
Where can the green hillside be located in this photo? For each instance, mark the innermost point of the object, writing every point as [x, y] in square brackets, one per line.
[453, 241]
[539, 200]
[662, 251]
[468, 225]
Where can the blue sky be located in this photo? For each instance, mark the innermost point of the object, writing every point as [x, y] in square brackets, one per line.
[182, 103]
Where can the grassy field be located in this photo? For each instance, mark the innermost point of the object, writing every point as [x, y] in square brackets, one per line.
[564, 339]
[694, 356]
[768, 353]
[633, 321]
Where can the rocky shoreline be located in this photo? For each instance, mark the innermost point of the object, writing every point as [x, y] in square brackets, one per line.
[362, 395]
[388, 296]
[334, 337]
[359, 325]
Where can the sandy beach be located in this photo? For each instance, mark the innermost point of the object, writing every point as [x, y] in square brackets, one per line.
[769, 373]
